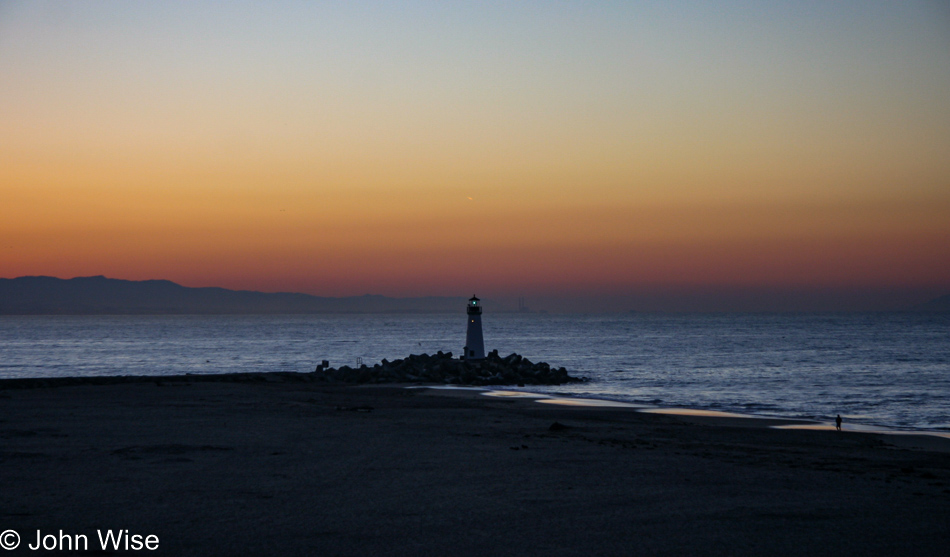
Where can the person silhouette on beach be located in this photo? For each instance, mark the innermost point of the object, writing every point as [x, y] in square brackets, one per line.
[838, 422]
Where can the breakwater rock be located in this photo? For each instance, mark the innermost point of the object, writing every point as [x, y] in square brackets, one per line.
[443, 368]
[421, 368]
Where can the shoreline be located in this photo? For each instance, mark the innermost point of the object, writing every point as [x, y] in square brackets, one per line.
[928, 440]
[783, 422]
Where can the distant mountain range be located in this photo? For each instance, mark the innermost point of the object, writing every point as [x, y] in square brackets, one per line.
[101, 295]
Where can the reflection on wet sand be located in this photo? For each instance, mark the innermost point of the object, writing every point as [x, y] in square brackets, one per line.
[514, 394]
[591, 402]
[692, 412]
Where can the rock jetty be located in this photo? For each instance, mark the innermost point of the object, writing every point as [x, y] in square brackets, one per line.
[421, 368]
[443, 368]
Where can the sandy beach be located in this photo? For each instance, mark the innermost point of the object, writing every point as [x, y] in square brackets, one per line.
[293, 468]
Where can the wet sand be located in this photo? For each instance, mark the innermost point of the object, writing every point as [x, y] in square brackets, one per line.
[291, 468]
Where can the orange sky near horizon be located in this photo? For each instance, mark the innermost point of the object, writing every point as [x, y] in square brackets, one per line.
[503, 150]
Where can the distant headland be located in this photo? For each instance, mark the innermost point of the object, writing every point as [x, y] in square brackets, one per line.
[99, 295]
[103, 296]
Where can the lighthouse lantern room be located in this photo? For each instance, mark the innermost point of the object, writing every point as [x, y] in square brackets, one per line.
[474, 343]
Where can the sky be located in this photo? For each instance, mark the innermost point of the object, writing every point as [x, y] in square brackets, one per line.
[597, 155]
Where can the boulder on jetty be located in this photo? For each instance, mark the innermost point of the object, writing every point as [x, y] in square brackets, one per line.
[443, 368]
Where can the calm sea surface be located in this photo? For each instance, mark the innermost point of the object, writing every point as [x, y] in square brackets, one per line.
[889, 369]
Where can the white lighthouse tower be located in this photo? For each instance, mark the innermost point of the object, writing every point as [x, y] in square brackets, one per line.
[474, 343]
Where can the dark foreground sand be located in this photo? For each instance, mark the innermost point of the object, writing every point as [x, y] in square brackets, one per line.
[305, 469]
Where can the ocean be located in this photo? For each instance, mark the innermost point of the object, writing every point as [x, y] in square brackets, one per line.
[877, 369]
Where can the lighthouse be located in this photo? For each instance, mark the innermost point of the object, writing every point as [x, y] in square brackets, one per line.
[474, 343]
